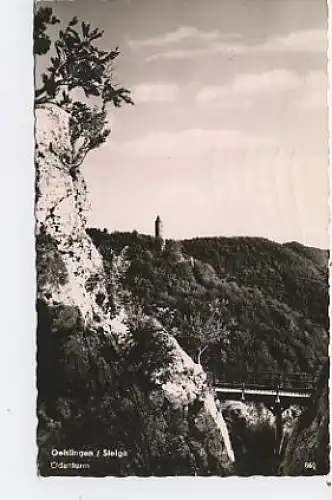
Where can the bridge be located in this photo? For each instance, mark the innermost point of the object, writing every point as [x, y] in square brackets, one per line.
[276, 390]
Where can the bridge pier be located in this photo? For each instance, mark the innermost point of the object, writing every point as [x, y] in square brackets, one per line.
[243, 397]
[278, 409]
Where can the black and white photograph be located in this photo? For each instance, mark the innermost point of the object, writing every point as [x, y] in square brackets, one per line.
[182, 238]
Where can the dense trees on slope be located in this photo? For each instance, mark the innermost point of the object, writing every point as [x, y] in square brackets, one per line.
[270, 300]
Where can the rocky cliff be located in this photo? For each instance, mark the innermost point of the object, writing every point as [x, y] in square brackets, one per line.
[106, 377]
[307, 450]
[60, 224]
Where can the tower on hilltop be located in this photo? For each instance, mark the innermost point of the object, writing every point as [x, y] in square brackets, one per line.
[158, 232]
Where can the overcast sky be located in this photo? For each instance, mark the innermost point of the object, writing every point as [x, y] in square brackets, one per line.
[229, 132]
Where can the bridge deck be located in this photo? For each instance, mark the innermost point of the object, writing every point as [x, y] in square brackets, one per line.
[263, 392]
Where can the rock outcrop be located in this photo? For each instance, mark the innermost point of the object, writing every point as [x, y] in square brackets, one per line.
[60, 206]
[308, 447]
[72, 278]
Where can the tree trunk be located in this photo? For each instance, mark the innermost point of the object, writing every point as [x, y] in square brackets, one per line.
[200, 352]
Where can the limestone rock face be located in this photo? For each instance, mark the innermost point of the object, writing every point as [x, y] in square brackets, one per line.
[184, 385]
[60, 205]
[253, 414]
[71, 274]
[187, 386]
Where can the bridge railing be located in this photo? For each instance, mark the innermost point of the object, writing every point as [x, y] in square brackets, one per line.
[263, 379]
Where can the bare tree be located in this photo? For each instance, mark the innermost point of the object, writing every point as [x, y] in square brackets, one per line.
[206, 329]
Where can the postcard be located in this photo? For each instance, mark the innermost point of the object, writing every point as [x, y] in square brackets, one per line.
[182, 246]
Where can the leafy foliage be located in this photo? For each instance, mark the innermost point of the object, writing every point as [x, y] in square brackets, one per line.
[43, 18]
[87, 125]
[205, 328]
[78, 65]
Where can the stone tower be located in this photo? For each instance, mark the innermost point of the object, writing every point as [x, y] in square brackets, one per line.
[158, 232]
